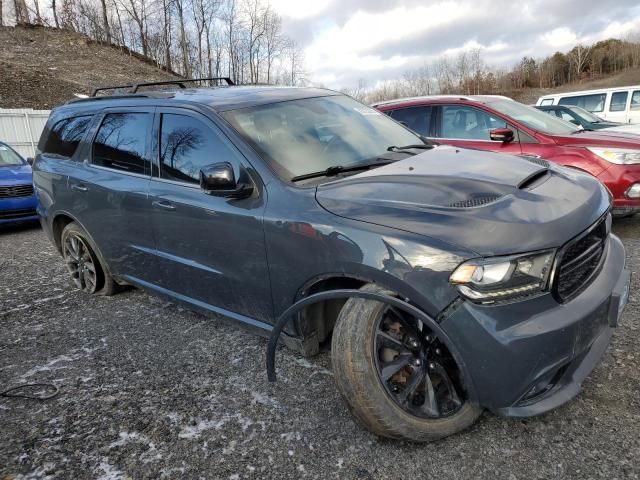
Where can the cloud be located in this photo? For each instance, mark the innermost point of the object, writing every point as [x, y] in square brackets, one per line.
[376, 40]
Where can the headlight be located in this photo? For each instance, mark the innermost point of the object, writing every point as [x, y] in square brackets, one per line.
[621, 156]
[500, 278]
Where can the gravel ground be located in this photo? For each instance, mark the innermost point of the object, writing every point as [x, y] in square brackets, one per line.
[150, 390]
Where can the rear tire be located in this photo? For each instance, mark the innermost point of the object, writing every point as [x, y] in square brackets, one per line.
[355, 354]
[88, 271]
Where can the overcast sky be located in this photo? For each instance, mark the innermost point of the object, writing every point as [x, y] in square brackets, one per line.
[345, 40]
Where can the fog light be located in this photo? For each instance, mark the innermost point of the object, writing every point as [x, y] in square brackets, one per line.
[633, 191]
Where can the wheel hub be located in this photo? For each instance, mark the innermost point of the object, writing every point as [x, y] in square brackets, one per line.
[415, 368]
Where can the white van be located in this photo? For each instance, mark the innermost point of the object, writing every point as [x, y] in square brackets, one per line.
[620, 104]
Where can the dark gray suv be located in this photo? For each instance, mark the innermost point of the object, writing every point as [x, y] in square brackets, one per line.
[445, 280]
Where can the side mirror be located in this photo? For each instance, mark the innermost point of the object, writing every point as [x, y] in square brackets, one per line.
[219, 180]
[575, 122]
[30, 160]
[501, 135]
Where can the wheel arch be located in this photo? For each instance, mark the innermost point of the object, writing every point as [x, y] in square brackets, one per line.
[314, 324]
[344, 294]
[60, 221]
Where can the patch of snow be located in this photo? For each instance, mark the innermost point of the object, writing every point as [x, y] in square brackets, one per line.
[109, 472]
[194, 431]
[51, 365]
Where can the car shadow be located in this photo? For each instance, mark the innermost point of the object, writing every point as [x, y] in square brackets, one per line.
[11, 228]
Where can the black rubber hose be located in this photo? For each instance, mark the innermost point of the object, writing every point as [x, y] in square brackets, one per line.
[284, 318]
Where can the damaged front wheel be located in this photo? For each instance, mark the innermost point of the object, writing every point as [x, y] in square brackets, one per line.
[397, 376]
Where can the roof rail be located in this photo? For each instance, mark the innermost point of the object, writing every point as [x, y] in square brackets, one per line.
[180, 83]
[95, 91]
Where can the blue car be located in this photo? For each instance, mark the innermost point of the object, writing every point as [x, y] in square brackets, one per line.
[17, 201]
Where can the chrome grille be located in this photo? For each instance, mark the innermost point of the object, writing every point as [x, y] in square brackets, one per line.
[13, 191]
[580, 261]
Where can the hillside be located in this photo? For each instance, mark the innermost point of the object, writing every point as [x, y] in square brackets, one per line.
[41, 67]
[623, 79]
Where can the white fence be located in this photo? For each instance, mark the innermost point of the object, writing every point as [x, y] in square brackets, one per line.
[21, 128]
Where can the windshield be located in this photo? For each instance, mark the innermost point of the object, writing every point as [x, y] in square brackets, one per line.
[298, 137]
[585, 115]
[8, 157]
[534, 118]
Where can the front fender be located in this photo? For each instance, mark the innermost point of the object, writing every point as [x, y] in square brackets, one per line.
[411, 265]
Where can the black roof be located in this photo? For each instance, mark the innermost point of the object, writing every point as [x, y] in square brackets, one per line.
[220, 98]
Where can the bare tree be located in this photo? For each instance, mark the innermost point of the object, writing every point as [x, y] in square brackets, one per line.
[137, 10]
[21, 11]
[578, 59]
[254, 14]
[295, 60]
[274, 40]
[105, 21]
[55, 13]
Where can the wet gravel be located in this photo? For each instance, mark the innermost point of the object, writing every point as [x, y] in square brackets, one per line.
[150, 390]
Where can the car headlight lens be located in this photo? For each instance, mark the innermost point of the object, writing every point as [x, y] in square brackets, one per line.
[500, 278]
[620, 156]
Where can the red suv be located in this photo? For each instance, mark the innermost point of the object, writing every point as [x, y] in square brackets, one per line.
[503, 125]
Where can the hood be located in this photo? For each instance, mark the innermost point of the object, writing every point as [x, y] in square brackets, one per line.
[607, 137]
[484, 202]
[625, 128]
[15, 175]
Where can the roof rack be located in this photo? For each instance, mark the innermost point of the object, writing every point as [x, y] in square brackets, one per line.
[180, 83]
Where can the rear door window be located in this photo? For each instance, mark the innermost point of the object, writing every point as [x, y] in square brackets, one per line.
[592, 103]
[417, 119]
[618, 102]
[468, 123]
[65, 136]
[121, 142]
[546, 101]
[187, 145]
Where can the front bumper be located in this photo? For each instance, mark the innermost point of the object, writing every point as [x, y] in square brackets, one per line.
[618, 179]
[528, 357]
[19, 209]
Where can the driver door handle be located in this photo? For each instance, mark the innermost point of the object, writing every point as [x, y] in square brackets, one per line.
[165, 205]
[79, 187]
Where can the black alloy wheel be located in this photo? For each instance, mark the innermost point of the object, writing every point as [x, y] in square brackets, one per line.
[80, 263]
[415, 368]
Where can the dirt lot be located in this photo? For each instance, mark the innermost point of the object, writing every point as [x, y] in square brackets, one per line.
[149, 390]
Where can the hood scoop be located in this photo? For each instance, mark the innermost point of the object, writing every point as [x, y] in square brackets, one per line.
[534, 179]
[475, 202]
[537, 160]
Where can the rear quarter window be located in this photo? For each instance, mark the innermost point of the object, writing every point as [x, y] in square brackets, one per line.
[65, 136]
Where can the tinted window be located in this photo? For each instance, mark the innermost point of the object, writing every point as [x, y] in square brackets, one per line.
[187, 145]
[121, 142]
[592, 103]
[65, 136]
[417, 119]
[635, 100]
[460, 121]
[618, 102]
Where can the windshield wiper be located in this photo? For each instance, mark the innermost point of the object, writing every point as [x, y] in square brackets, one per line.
[393, 148]
[336, 169]
[582, 130]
